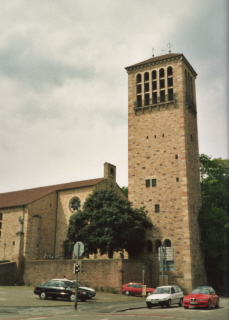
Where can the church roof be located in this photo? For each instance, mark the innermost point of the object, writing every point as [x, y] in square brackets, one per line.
[158, 59]
[24, 197]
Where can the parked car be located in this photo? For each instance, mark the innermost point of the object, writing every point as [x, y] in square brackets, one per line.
[201, 298]
[165, 296]
[80, 286]
[134, 288]
[61, 289]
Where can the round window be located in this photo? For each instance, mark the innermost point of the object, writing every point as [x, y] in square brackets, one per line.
[74, 204]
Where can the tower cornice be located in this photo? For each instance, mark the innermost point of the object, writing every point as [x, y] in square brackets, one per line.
[160, 60]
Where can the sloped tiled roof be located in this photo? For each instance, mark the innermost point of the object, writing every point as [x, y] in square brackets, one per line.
[24, 197]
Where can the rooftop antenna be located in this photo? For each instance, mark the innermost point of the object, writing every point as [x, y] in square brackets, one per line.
[169, 45]
[153, 52]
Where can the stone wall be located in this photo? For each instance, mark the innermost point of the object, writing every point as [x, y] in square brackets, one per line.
[106, 274]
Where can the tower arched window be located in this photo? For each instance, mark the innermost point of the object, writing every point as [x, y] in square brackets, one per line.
[167, 243]
[161, 73]
[157, 244]
[139, 89]
[149, 246]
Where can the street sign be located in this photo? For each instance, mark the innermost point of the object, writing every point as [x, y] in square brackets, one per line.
[78, 249]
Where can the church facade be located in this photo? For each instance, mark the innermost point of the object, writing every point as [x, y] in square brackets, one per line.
[164, 165]
[34, 222]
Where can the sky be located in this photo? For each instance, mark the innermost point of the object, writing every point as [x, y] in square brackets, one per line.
[63, 83]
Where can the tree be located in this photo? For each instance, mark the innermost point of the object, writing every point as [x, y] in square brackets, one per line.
[125, 190]
[109, 224]
[214, 216]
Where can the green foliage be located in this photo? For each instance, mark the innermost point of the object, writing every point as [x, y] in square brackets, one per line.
[125, 190]
[109, 224]
[214, 213]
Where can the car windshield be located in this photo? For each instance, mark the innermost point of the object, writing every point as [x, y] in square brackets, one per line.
[200, 291]
[161, 290]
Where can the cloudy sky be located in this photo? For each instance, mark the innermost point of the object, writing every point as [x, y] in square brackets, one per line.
[63, 83]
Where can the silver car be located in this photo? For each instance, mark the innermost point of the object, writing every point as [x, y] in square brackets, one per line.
[165, 296]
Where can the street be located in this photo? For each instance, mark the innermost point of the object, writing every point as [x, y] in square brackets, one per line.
[20, 303]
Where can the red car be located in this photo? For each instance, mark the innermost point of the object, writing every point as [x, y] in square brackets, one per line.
[201, 298]
[134, 288]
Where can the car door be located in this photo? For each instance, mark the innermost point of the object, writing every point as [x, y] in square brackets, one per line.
[174, 295]
[138, 289]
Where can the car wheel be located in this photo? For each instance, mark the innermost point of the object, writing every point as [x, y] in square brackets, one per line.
[149, 306]
[127, 293]
[43, 295]
[180, 303]
[217, 304]
[209, 304]
[162, 305]
[186, 307]
[72, 297]
[168, 304]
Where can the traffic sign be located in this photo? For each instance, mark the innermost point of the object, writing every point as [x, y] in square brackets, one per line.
[78, 248]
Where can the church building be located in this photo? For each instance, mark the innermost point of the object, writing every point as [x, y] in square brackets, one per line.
[164, 165]
[34, 222]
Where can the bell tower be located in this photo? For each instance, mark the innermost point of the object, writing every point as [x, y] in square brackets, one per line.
[163, 163]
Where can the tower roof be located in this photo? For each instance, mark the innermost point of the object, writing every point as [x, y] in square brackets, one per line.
[160, 59]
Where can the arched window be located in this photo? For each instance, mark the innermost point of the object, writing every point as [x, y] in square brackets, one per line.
[161, 73]
[157, 244]
[146, 76]
[167, 243]
[149, 246]
[139, 77]
[170, 71]
[154, 74]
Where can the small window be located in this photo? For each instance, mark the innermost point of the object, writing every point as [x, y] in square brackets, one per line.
[147, 183]
[154, 182]
[146, 86]
[170, 94]
[154, 85]
[13, 243]
[1, 215]
[157, 208]
[0, 225]
[177, 179]
[170, 82]
[162, 95]
[139, 88]
[176, 156]
[162, 83]
[154, 97]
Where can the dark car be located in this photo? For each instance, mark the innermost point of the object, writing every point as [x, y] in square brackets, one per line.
[61, 289]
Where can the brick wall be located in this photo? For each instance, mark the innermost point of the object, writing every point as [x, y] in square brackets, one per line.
[110, 273]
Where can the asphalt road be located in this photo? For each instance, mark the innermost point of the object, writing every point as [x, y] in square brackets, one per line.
[20, 303]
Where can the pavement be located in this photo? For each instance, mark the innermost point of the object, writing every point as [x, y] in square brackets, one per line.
[22, 298]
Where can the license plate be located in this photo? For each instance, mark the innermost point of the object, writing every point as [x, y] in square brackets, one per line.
[193, 302]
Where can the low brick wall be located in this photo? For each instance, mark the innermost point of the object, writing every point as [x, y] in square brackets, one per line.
[7, 273]
[103, 274]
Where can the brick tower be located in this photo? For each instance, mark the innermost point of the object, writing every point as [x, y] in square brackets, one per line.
[164, 163]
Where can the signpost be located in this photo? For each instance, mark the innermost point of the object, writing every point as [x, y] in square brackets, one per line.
[166, 258]
[78, 251]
